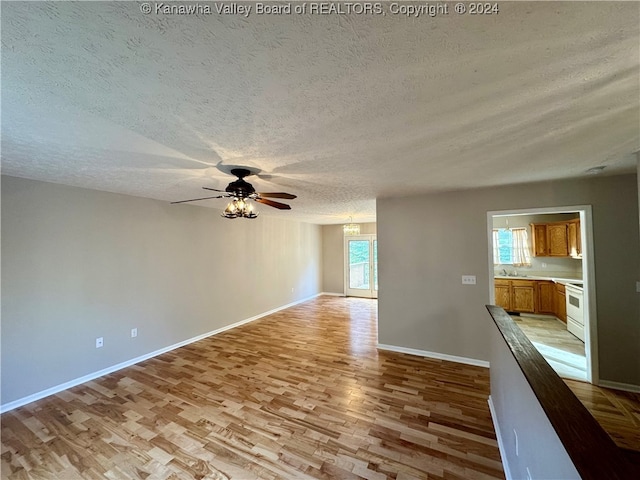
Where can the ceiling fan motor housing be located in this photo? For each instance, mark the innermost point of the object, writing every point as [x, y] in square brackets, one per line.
[240, 188]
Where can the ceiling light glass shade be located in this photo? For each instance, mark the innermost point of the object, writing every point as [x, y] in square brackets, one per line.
[351, 228]
[239, 208]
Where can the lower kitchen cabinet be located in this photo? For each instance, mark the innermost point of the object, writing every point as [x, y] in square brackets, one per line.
[531, 296]
[523, 296]
[503, 294]
[561, 303]
[546, 297]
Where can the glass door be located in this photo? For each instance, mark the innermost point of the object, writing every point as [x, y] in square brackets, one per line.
[361, 266]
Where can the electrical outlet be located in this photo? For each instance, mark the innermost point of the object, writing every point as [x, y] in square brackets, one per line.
[134, 332]
[99, 342]
[468, 279]
[515, 435]
[291, 289]
[544, 265]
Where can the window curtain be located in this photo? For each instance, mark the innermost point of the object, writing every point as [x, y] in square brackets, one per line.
[496, 256]
[521, 253]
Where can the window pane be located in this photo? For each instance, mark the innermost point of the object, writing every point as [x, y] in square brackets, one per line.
[375, 265]
[505, 246]
[359, 264]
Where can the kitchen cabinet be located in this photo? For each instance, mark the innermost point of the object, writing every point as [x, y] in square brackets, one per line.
[516, 295]
[523, 295]
[539, 239]
[531, 296]
[546, 297]
[561, 303]
[574, 238]
[556, 239]
[503, 294]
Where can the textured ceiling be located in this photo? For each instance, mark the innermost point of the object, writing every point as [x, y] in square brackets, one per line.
[337, 109]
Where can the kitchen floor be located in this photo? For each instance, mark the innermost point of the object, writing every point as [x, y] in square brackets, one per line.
[564, 352]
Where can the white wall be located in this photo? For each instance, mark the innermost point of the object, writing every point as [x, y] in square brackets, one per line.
[79, 264]
[516, 411]
[426, 243]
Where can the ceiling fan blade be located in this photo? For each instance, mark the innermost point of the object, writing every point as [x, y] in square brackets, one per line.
[271, 203]
[214, 189]
[196, 199]
[278, 195]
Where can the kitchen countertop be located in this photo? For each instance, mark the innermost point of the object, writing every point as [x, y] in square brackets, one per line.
[564, 281]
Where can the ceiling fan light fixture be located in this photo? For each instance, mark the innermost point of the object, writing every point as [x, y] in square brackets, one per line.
[242, 192]
[239, 207]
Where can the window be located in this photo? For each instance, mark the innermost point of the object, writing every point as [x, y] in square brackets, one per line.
[511, 247]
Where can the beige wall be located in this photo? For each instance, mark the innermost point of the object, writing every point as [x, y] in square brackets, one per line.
[426, 243]
[79, 264]
[333, 256]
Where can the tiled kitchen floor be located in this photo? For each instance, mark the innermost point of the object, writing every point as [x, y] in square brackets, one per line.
[564, 352]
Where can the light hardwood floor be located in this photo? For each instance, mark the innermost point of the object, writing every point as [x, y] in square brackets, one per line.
[616, 411]
[302, 393]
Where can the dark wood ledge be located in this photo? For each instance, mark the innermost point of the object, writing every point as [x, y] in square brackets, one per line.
[592, 451]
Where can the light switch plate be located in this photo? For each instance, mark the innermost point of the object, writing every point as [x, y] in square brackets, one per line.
[468, 279]
[638, 287]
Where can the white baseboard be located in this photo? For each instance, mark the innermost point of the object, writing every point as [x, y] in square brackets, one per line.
[333, 294]
[626, 387]
[105, 371]
[437, 356]
[496, 427]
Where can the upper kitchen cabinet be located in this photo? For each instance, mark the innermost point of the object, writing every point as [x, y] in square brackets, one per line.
[539, 239]
[574, 238]
[557, 239]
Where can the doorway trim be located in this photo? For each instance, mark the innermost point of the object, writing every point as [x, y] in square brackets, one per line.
[371, 238]
[588, 273]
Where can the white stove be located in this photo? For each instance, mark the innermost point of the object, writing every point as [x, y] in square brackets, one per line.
[575, 311]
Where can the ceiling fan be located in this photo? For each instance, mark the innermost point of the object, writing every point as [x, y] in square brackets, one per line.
[242, 193]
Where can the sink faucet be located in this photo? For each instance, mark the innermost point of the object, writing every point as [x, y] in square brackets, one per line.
[504, 272]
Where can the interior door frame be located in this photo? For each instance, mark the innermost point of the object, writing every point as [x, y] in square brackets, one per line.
[371, 237]
[588, 274]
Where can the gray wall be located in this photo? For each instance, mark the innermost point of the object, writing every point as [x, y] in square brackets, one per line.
[427, 242]
[78, 264]
[333, 256]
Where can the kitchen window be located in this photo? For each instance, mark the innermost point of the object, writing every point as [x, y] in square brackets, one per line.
[511, 247]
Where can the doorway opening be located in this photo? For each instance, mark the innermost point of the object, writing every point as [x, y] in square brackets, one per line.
[541, 271]
[361, 266]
